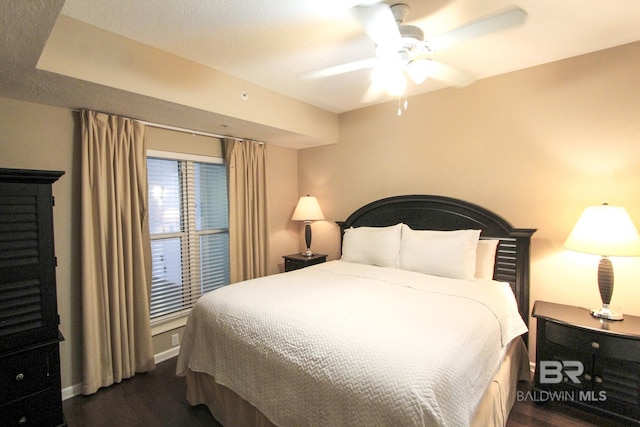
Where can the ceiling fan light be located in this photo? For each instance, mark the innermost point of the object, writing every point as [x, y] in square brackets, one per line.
[396, 84]
[419, 69]
[389, 76]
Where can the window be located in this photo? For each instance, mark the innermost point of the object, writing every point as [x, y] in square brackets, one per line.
[188, 223]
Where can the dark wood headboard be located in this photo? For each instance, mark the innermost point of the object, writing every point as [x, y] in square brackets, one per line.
[426, 212]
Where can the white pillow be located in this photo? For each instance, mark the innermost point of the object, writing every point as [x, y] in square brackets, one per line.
[486, 258]
[440, 253]
[372, 245]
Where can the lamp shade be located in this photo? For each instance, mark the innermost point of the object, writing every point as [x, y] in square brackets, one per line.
[605, 230]
[419, 70]
[307, 209]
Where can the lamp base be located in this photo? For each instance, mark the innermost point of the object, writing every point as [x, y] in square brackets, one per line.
[605, 312]
[307, 239]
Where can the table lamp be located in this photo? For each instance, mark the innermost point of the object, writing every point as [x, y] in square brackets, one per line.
[307, 210]
[607, 231]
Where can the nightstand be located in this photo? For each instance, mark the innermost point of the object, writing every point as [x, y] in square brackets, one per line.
[296, 261]
[586, 361]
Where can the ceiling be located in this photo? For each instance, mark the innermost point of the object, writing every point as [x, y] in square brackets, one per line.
[269, 42]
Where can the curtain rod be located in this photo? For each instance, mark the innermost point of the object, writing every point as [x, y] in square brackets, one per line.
[191, 131]
[179, 129]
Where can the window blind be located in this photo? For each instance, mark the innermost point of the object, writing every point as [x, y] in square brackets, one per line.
[188, 222]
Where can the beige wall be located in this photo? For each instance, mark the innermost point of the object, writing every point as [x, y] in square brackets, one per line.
[35, 136]
[536, 146]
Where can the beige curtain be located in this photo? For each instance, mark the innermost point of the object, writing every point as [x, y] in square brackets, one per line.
[116, 261]
[248, 233]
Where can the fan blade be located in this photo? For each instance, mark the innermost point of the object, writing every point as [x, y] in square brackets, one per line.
[338, 69]
[373, 93]
[379, 24]
[499, 21]
[449, 75]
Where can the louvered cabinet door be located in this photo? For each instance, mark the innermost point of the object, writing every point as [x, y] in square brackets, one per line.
[28, 306]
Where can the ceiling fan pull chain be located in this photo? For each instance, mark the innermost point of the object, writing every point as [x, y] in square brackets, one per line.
[402, 106]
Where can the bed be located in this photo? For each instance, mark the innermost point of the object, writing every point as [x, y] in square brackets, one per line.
[370, 339]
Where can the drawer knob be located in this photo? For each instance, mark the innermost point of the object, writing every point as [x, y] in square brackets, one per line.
[594, 344]
[598, 380]
[20, 377]
[22, 421]
[587, 377]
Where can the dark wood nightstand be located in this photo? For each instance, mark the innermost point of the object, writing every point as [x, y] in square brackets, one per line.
[296, 261]
[586, 361]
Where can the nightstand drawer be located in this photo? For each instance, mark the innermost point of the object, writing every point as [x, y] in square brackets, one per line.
[27, 372]
[297, 261]
[293, 264]
[601, 344]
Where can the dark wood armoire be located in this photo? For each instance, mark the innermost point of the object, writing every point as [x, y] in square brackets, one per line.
[30, 393]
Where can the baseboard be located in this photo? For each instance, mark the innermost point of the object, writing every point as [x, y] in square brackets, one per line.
[167, 354]
[72, 391]
[76, 389]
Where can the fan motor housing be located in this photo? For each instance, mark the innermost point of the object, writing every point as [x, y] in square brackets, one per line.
[411, 32]
[412, 37]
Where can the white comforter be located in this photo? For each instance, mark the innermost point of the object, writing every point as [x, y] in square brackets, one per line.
[341, 344]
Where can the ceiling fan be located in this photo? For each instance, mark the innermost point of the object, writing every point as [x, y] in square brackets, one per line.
[401, 49]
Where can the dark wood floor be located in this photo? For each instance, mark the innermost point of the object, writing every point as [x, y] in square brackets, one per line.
[154, 399]
[157, 399]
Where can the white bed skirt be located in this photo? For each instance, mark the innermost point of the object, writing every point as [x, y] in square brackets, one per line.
[493, 409]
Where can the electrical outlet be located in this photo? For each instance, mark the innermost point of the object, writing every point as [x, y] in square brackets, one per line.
[175, 339]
